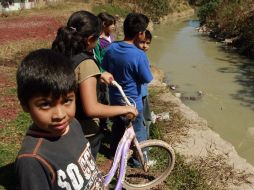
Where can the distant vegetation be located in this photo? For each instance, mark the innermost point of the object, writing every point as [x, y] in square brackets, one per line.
[155, 9]
[231, 19]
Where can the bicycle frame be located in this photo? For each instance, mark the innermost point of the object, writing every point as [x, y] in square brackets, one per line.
[121, 154]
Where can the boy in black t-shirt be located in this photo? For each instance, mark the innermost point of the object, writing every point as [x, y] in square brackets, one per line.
[54, 153]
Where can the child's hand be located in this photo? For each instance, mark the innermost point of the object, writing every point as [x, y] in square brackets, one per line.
[131, 110]
[106, 77]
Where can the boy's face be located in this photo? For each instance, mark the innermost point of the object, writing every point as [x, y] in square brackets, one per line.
[51, 115]
[144, 44]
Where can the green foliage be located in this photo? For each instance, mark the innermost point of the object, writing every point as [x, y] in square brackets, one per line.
[155, 8]
[208, 9]
[111, 9]
[230, 19]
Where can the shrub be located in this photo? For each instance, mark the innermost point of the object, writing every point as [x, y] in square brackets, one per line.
[207, 10]
[155, 8]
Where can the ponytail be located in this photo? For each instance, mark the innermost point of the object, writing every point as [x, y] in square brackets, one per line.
[68, 42]
[70, 39]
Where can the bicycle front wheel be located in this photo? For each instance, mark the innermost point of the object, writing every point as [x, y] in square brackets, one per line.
[160, 159]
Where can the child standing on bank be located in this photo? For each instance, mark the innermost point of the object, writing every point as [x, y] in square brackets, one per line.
[106, 38]
[145, 45]
[130, 67]
[54, 153]
[108, 27]
[77, 41]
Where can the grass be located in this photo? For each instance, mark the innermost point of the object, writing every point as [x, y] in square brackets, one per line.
[113, 10]
[185, 176]
[14, 52]
[11, 137]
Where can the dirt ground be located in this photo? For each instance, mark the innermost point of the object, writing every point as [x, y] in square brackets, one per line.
[13, 30]
[36, 27]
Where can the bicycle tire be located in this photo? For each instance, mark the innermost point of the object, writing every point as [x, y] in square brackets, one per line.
[158, 151]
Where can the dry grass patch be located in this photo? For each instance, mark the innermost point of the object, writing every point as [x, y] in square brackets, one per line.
[12, 53]
[217, 172]
[173, 129]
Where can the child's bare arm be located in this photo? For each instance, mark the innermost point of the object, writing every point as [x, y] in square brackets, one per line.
[91, 106]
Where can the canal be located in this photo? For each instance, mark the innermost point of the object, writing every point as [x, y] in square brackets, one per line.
[193, 63]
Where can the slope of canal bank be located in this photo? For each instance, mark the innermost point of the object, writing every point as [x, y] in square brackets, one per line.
[190, 136]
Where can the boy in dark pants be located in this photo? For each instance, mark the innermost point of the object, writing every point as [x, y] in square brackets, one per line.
[54, 153]
[130, 67]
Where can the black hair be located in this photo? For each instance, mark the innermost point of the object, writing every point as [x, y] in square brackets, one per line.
[44, 72]
[134, 23]
[70, 39]
[106, 19]
[148, 35]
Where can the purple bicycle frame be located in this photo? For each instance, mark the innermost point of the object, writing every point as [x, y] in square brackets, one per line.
[122, 155]
[122, 150]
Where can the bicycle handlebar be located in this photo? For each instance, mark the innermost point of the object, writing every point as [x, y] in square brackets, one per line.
[114, 83]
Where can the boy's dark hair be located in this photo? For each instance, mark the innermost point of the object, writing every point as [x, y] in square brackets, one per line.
[106, 19]
[134, 23]
[70, 39]
[148, 35]
[44, 72]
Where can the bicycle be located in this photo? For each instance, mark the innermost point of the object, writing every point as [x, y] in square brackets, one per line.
[157, 160]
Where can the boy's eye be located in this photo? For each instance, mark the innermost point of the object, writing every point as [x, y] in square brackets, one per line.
[68, 101]
[45, 105]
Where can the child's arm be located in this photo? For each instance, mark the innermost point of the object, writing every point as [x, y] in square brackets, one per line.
[32, 174]
[93, 108]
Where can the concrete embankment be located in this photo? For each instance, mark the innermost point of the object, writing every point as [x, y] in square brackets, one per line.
[214, 157]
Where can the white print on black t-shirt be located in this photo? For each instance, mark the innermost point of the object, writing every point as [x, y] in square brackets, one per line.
[84, 175]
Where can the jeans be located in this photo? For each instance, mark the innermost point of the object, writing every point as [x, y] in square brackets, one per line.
[147, 114]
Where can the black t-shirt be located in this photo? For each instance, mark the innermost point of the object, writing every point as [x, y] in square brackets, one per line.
[57, 163]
